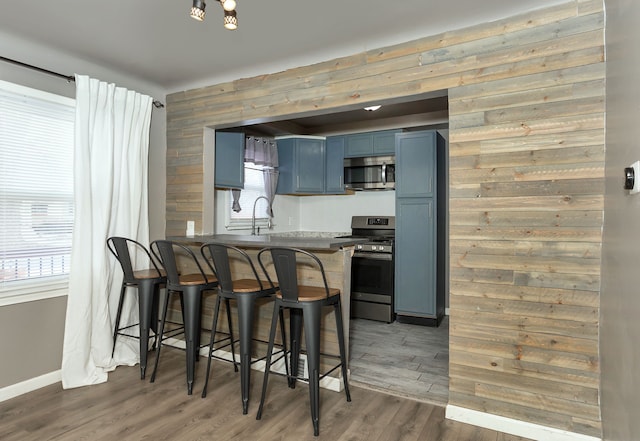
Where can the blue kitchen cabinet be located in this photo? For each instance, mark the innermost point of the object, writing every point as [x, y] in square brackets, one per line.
[229, 160]
[420, 260]
[384, 142]
[334, 165]
[370, 144]
[415, 165]
[301, 165]
[415, 258]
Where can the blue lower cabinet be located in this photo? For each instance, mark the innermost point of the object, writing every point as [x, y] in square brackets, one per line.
[415, 288]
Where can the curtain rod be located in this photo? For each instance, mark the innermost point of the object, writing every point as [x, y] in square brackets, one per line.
[69, 78]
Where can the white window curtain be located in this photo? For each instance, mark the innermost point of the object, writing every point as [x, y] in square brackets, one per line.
[111, 175]
[264, 151]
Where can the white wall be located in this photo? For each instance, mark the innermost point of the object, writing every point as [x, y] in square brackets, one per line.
[620, 295]
[333, 213]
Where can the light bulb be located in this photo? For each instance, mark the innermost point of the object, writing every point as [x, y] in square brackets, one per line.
[228, 5]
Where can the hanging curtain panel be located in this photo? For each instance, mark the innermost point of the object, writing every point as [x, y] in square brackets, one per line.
[110, 175]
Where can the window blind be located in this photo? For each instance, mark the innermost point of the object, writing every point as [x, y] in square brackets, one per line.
[36, 185]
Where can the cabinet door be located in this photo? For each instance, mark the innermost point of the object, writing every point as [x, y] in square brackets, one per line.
[334, 178]
[309, 165]
[358, 145]
[415, 262]
[384, 143]
[416, 164]
[229, 157]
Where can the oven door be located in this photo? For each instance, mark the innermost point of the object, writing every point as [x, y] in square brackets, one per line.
[372, 286]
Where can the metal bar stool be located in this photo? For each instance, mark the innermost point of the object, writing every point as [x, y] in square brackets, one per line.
[305, 304]
[190, 286]
[246, 288]
[148, 282]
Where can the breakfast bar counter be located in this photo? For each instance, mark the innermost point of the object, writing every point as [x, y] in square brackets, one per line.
[335, 255]
[304, 240]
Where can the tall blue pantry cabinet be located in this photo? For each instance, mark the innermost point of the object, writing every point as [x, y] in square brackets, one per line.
[420, 227]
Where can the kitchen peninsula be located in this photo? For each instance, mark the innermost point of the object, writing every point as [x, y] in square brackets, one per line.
[335, 255]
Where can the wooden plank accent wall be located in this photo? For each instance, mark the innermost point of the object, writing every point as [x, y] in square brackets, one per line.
[526, 192]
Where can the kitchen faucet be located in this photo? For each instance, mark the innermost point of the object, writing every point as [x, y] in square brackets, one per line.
[253, 216]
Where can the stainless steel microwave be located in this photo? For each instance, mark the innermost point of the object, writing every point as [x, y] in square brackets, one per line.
[370, 173]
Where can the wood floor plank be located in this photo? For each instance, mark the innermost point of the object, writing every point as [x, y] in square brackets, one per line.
[127, 408]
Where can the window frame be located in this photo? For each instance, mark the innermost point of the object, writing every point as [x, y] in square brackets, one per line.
[23, 291]
[244, 224]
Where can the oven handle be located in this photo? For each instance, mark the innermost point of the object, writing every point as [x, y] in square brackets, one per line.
[374, 256]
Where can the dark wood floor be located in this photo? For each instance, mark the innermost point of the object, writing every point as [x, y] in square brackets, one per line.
[127, 408]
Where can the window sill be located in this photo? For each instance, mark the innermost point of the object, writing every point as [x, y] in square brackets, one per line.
[34, 292]
[262, 223]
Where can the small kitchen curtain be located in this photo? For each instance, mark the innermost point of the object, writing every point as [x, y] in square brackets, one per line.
[110, 185]
[264, 152]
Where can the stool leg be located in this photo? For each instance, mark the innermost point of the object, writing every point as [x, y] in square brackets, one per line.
[295, 323]
[192, 302]
[155, 320]
[245, 320]
[283, 335]
[164, 318]
[343, 352]
[233, 351]
[145, 302]
[312, 314]
[214, 326]
[267, 365]
[118, 315]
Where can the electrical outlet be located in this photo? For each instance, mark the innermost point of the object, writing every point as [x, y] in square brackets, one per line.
[191, 228]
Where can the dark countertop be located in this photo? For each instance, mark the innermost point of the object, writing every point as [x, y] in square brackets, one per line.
[277, 239]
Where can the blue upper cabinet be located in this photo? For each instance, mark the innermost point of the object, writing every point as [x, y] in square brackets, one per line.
[384, 143]
[229, 160]
[334, 165]
[370, 144]
[416, 164]
[301, 165]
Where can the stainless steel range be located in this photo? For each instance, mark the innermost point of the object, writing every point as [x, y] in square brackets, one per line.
[372, 268]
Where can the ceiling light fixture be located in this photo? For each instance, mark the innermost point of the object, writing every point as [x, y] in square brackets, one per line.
[372, 108]
[230, 20]
[229, 6]
[197, 10]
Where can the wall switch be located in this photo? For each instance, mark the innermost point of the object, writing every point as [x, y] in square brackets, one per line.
[632, 178]
[191, 228]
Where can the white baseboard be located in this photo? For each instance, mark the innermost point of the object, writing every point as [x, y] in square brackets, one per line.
[32, 384]
[512, 426]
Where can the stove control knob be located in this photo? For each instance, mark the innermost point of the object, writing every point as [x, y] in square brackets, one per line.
[374, 247]
[358, 247]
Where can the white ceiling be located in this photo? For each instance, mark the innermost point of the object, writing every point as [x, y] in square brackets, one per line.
[157, 41]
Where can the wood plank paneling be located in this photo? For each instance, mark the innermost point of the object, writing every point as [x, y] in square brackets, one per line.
[526, 176]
